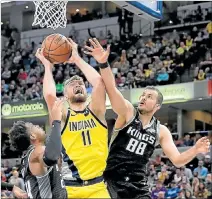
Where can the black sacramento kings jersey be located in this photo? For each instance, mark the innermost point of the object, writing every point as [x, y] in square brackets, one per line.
[49, 185]
[130, 150]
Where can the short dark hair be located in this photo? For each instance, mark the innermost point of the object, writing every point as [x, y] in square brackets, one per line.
[19, 136]
[160, 95]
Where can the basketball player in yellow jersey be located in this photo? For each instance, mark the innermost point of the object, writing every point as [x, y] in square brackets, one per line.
[84, 132]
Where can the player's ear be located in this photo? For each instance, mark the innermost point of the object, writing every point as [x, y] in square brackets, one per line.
[33, 137]
[158, 106]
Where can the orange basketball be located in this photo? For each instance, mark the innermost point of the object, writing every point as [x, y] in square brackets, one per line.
[56, 48]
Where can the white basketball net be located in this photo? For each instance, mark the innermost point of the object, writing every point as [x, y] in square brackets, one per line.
[50, 14]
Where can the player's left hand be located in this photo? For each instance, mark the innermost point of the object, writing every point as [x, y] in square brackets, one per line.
[202, 145]
[74, 52]
[98, 52]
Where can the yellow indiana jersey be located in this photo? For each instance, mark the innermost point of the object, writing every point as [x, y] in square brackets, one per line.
[85, 146]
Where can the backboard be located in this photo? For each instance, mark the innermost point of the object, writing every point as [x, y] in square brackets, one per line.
[148, 9]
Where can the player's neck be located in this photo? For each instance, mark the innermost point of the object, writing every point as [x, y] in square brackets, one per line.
[145, 118]
[78, 106]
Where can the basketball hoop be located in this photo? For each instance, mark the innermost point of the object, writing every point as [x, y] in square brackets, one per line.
[50, 14]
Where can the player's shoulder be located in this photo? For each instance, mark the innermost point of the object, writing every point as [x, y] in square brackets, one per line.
[163, 128]
[164, 131]
[36, 153]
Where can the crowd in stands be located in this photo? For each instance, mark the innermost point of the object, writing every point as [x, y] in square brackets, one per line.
[184, 16]
[156, 61]
[163, 60]
[199, 14]
[193, 180]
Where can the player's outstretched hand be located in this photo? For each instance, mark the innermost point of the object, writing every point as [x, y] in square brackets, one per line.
[74, 52]
[19, 193]
[97, 51]
[40, 56]
[57, 109]
[203, 145]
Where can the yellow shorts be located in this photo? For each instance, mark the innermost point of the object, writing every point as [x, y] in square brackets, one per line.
[98, 190]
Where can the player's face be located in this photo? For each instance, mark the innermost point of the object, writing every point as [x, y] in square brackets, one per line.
[76, 91]
[35, 132]
[148, 102]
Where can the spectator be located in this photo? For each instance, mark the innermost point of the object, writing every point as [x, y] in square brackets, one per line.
[181, 49]
[88, 87]
[181, 195]
[93, 62]
[163, 77]
[209, 30]
[151, 80]
[178, 177]
[4, 86]
[208, 184]
[122, 22]
[162, 175]
[159, 188]
[187, 172]
[207, 162]
[188, 194]
[152, 175]
[189, 42]
[17, 58]
[18, 96]
[15, 180]
[6, 75]
[59, 88]
[198, 38]
[173, 191]
[201, 170]
[6, 98]
[129, 18]
[201, 191]
[130, 80]
[28, 95]
[22, 75]
[201, 75]
[161, 195]
[187, 140]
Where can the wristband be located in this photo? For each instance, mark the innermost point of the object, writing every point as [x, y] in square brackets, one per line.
[104, 65]
[56, 121]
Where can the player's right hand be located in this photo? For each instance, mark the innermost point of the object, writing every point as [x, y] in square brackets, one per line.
[74, 52]
[56, 112]
[40, 56]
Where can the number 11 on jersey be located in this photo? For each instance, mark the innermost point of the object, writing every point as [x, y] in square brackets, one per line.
[86, 138]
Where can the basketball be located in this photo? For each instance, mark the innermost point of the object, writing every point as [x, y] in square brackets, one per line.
[56, 48]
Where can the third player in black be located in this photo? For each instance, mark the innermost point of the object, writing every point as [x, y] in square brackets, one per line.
[39, 167]
[136, 134]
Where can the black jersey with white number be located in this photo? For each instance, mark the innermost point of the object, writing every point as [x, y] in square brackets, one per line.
[49, 185]
[130, 150]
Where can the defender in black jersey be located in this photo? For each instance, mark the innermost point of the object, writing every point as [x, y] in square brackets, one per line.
[136, 134]
[39, 167]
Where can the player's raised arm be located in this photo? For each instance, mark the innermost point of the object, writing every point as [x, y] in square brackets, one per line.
[119, 104]
[49, 88]
[171, 151]
[49, 155]
[94, 78]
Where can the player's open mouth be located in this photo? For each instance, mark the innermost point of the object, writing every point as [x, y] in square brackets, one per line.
[142, 103]
[78, 91]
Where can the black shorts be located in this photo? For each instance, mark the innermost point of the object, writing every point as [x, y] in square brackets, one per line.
[122, 190]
